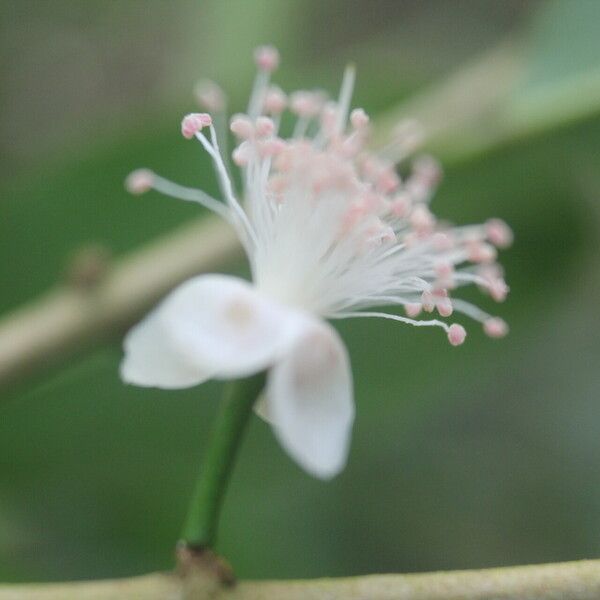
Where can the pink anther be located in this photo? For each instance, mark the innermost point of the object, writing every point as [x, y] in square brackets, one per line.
[413, 309]
[498, 290]
[139, 181]
[329, 117]
[444, 269]
[241, 126]
[353, 215]
[272, 147]
[305, 104]
[480, 252]
[387, 181]
[193, 123]
[242, 154]
[495, 327]
[427, 301]
[442, 241]
[266, 58]
[428, 170]
[444, 307]
[499, 233]
[264, 127]
[401, 205]
[210, 96]
[275, 100]
[421, 219]
[359, 118]
[456, 334]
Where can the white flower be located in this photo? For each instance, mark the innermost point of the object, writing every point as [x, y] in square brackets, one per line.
[330, 230]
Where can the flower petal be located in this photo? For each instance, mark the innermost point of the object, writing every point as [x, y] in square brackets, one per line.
[210, 326]
[310, 401]
[151, 361]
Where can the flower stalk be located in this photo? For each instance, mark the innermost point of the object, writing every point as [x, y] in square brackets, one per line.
[200, 529]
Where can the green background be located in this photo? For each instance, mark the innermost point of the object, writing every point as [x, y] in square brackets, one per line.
[483, 455]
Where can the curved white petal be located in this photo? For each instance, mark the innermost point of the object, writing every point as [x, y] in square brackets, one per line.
[151, 361]
[310, 401]
[210, 326]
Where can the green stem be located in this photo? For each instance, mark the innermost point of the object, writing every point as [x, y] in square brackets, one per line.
[239, 397]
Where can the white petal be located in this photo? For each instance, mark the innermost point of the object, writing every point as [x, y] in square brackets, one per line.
[210, 326]
[310, 401]
[151, 361]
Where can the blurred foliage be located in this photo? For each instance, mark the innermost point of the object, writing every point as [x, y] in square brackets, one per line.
[562, 75]
[478, 456]
[565, 42]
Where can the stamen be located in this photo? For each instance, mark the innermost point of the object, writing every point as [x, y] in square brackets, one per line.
[382, 315]
[495, 327]
[271, 147]
[194, 123]
[359, 118]
[210, 96]
[242, 154]
[442, 241]
[498, 290]
[428, 170]
[444, 269]
[422, 219]
[480, 252]
[345, 97]
[266, 58]
[444, 307]
[456, 334]
[306, 104]
[427, 301]
[499, 233]
[275, 100]
[401, 205]
[226, 186]
[413, 309]
[139, 181]
[330, 226]
[470, 310]
[264, 127]
[328, 122]
[241, 126]
[142, 180]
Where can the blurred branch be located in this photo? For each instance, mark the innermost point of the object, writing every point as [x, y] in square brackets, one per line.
[573, 580]
[458, 115]
[73, 316]
[489, 102]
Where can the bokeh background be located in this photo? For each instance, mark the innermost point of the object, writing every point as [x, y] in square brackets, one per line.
[478, 456]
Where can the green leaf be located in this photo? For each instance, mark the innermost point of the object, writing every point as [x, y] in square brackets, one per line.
[529, 84]
[561, 79]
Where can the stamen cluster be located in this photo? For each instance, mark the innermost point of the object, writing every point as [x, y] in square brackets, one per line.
[329, 224]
